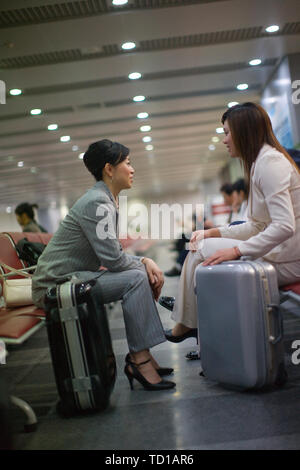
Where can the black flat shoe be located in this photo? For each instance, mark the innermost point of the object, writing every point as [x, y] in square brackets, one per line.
[162, 371]
[192, 333]
[135, 374]
[167, 302]
[172, 272]
[193, 355]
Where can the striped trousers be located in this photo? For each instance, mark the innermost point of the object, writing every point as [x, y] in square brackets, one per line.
[142, 322]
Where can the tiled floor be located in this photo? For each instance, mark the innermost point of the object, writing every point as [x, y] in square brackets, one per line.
[197, 414]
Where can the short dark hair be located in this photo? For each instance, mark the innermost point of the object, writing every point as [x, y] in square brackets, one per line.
[240, 185]
[227, 189]
[102, 152]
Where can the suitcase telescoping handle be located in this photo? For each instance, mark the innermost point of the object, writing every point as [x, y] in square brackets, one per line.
[275, 311]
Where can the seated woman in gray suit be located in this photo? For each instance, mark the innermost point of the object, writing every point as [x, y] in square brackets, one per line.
[87, 239]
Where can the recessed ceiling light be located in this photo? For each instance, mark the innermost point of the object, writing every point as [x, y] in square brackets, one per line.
[15, 91]
[149, 147]
[20, 164]
[75, 148]
[142, 115]
[145, 128]
[219, 130]
[215, 139]
[272, 29]
[232, 103]
[35, 111]
[8, 210]
[119, 2]
[52, 127]
[147, 138]
[255, 62]
[134, 75]
[33, 169]
[211, 147]
[128, 45]
[65, 138]
[139, 98]
[242, 86]
[80, 156]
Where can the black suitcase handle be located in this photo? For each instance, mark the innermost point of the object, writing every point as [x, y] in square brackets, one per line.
[275, 311]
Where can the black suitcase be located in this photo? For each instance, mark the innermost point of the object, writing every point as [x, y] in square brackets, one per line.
[81, 348]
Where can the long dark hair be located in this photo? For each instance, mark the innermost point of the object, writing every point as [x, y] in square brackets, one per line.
[251, 128]
[26, 208]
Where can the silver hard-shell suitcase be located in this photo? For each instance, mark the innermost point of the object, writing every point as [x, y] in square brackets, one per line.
[240, 324]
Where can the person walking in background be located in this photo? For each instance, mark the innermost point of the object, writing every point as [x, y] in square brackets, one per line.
[25, 217]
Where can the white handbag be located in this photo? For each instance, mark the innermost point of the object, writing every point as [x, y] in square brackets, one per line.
[17, 292]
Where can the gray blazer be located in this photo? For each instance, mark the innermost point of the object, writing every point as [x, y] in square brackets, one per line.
[86, 239]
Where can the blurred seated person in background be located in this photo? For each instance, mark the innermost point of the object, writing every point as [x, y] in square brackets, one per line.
[227, 192]
[240, 201]
[25, 217]
[180, 246]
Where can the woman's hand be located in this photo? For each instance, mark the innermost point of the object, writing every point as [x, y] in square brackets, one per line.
[155, 275]
[219, 256]
[199, 235]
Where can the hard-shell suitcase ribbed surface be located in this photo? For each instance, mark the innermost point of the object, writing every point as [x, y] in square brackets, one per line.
[240, 324]
[81, 349]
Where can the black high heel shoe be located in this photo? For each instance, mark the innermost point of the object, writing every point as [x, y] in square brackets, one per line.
[162, 371]
[135, 374]
[192, 333]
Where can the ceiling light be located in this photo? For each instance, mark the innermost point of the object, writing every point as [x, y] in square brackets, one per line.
[142, 115]
[35, 111]
[147, 138]
[134, 76]
[139, 98]
[75, 148]
[219, 130]
[145, 128]
[242, 86]
[20, 164]
[212, 147]
[119, 2]
[232, 103]
[128, 45]
[65, 138]
[52, 127]
[255, 62]
[33, 169]
[215, 139]
[8, 210]
[80, 156]
[15, 91]
[272, 29]
[149, 147]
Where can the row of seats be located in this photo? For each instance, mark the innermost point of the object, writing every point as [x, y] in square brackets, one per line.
[18, 324]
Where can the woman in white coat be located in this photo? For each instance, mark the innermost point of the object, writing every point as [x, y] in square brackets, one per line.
[272, 231]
